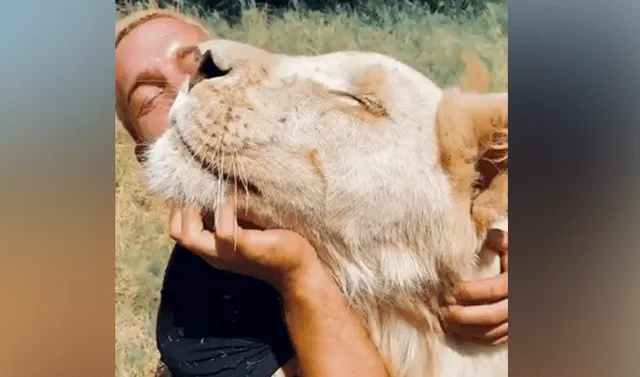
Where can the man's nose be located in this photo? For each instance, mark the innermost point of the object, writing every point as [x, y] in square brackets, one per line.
[184, 64]
[188, 60]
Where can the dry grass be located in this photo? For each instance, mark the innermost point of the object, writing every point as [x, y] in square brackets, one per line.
[142, 250]
[431, 44]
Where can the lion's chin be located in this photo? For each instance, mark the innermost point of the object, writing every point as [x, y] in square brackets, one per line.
[174, 174]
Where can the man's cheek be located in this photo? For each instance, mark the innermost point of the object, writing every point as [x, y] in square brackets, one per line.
[154, 124]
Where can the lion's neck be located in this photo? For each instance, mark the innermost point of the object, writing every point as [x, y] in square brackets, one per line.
[401, 310]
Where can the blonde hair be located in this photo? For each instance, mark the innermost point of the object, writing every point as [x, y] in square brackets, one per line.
[130, 22]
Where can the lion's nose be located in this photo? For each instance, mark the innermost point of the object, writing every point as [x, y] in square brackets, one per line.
[207, 69]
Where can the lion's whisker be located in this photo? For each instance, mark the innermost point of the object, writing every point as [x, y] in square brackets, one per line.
[235, 196]
[221, 171]
[245, 185]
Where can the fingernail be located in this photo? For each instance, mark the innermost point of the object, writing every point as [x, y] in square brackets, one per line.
[449, 299]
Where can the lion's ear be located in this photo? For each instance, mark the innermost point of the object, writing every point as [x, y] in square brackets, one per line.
[473, 137]
[491, 122]
[473, 129]
[476, 74]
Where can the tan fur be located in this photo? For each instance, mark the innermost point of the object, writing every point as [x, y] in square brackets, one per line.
[476, 75]
[371, 162]
[314, 161]
[471, 126]
[472, 131]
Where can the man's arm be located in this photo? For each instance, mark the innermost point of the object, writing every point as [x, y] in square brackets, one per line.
[328, 334]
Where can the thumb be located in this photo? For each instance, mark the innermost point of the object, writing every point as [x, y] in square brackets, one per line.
[227, 230]
[248, 242]
[498, 241]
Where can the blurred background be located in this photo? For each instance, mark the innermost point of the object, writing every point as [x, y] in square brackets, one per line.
[373, 10]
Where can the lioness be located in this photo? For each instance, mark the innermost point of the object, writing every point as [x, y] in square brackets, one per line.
[366, 158]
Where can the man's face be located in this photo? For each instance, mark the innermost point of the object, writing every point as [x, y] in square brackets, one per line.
[151, 63]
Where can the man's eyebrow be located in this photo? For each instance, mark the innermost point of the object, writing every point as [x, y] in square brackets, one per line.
[148, 76]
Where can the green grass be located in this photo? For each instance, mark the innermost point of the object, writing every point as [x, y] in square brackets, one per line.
[430, 43]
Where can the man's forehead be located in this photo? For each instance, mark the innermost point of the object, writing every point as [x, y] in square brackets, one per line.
[154, 43]
[147, 36]
[161, 33]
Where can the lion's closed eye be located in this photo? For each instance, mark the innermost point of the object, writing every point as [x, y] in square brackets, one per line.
[362, 105]
[345, 96]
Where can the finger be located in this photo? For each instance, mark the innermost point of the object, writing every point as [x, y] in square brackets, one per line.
[492, 314]
[191, 223]
[261, 242]
[175, 223]
[502, 340]
[249, 242]
[483, 342]
[484, 290]
[227, 231]
[193, 236]
[504, 263]
[486, 334]
[496, 333]
[498, 241]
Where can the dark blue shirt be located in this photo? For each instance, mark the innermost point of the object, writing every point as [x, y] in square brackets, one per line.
[216, 323]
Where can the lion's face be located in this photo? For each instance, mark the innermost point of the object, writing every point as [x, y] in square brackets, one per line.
[342, 148]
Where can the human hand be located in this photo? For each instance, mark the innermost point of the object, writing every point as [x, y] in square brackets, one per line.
[479, 310]
[280, 257]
